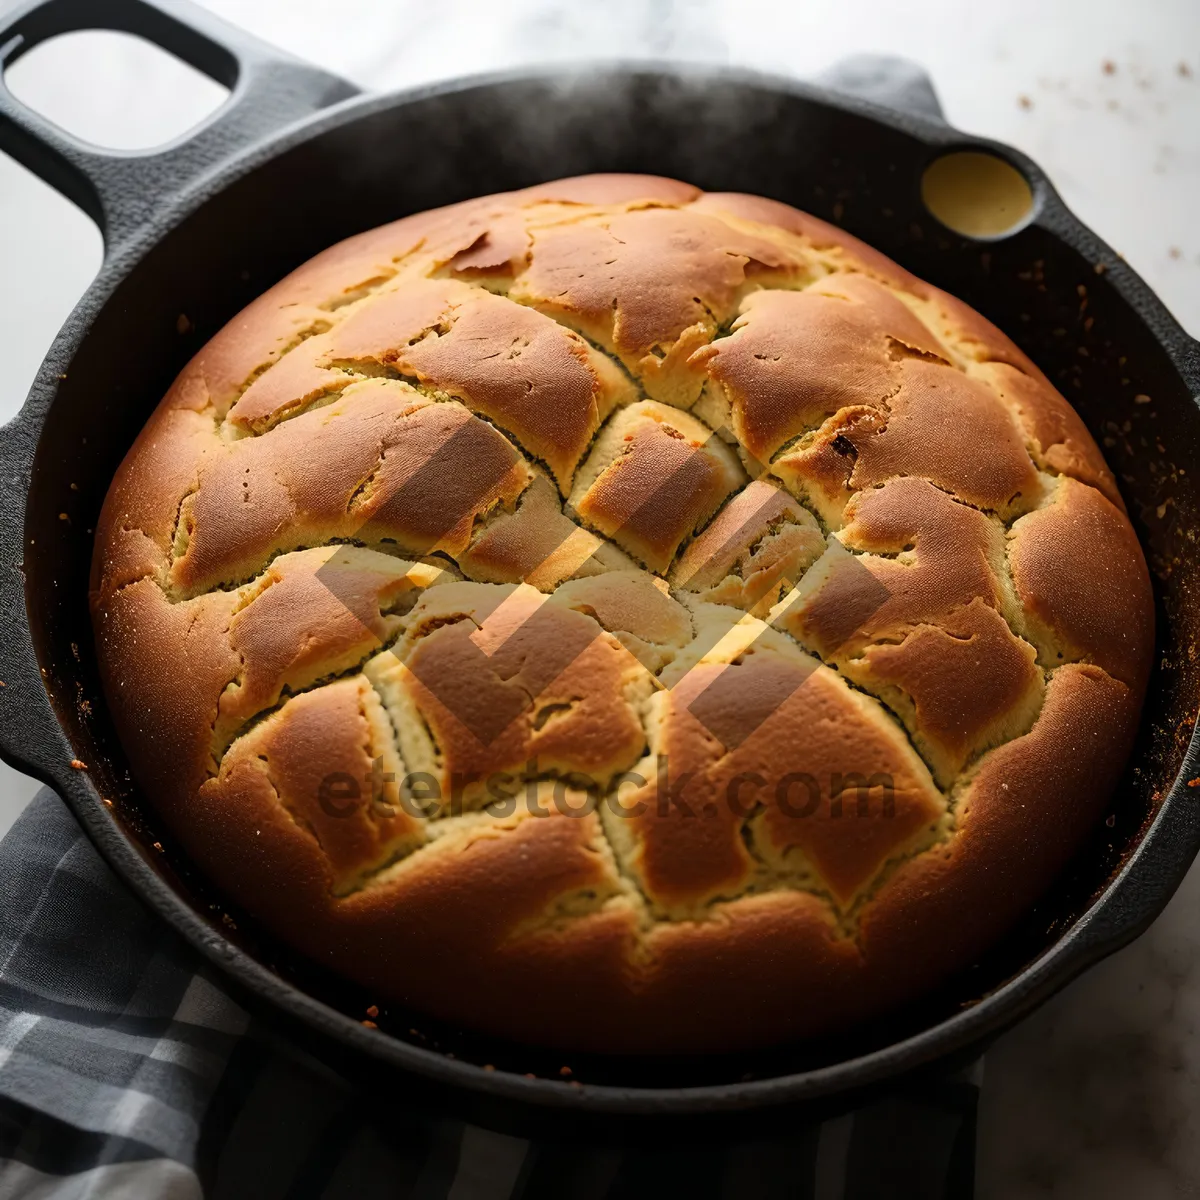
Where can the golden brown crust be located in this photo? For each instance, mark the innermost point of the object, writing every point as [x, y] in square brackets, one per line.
[796, 358]
[620, 617]
[654, 477]
[753, 552]
[1083, 584]
[1055, 433]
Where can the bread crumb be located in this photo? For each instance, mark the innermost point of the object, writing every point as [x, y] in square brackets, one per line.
[565, 1071]
[1024, 102]
[1141, 398]
[157, 846]
[1108, 67]
[182, 324]
[488, 1067]
[373, 1011]
[1185, 72]
[370, 1025]
[1174, 252]
[1194, 782]
[78, 764]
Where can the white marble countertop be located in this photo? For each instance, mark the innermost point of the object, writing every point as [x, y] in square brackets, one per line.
[1098, 1095]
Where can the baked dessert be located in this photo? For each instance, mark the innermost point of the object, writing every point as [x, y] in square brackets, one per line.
[623, 618]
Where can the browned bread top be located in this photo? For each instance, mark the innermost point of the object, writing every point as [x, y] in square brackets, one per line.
[621, 617]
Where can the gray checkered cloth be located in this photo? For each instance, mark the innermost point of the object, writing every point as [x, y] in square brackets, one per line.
[126, 1071]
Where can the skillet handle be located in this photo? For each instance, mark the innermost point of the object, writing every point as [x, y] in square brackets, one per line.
[887, 80]
[121, 191]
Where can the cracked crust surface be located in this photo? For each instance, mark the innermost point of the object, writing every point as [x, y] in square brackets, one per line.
[655, 611]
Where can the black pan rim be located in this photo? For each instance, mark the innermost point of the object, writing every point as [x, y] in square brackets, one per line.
[1172, 838]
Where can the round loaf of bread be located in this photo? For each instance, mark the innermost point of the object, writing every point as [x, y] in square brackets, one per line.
[622, 618]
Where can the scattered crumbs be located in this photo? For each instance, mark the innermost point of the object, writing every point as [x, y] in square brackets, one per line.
[106, 802]
[1185, 72]
[565, 1071]
[228, 921]
[1174, 252]
[64, 517]
[530, 1075]
[2, 683]
[373, 1011]
[62, 377]
[74, 487]
[1141, 398]
[1161, 510]
[1108, 67]
[370, 1025]
[157, 846]
[75, 650]
[78, 764]
[1024, 102]
[1194, 782]
[488, 1067]
[182, 324]
[413, 1033]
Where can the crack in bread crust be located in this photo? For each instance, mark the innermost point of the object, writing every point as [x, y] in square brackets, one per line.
[619, 375]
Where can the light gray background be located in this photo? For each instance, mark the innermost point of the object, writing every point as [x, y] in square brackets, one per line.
[1097, 1096]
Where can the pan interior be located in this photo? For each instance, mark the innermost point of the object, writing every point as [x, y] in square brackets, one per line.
[391, 158]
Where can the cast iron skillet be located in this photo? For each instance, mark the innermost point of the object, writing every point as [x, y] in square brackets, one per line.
[296, 160]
